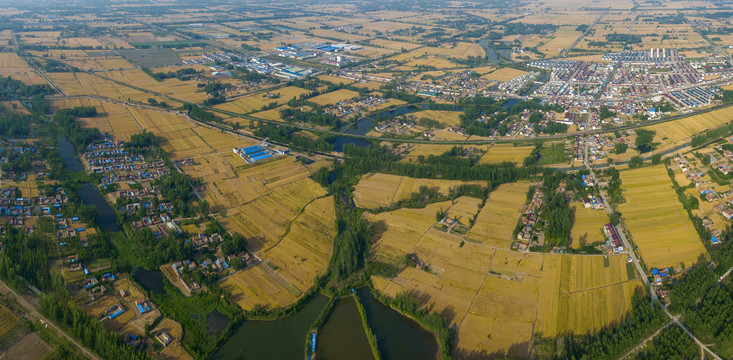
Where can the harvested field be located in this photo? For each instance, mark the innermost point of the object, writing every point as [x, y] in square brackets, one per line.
[588, 226]
[657, 221]
[376, 190]
[496, 221]
[504, 74]
[334, 97]
[30, 347]
[255, 102]
[253, 286]
[499, 153]
[303, 254]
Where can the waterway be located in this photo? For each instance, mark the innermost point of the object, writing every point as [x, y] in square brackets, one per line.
[340, 337]
[277, 339]
[490, 53]
[398, 337]
[89, 195]
[150, 280]
[362, 126]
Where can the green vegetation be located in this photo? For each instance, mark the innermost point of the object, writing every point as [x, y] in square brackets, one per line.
[90, 332]
[644, 140]
[672, 343]
[610, 343]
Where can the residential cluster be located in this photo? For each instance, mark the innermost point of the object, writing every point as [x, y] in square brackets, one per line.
[530, 233]
[451, 87]
[355, 107]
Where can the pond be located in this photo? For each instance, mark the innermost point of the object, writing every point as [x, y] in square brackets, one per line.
[398, 337]
[341, 336]
[217, 321]
[69, 156]
[89, 195]
[150, 280]
[106, 217]
[277, 339]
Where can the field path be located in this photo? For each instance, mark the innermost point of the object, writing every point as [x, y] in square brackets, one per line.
[32, 309]
[133, 117]
[596, 288]
[290, 225]
[486, 277]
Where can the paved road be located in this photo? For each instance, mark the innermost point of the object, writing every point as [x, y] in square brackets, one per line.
[30, 307]
[725, 275]
[676, 319]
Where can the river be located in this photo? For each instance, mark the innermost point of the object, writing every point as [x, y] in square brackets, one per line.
[490, 52]
[340, 337]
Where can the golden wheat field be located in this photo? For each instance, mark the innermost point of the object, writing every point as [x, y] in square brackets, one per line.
[380, 190]
[587, 226]
[255, 286]
[496, 220]
[499, 153]
[14, 66]
[303, 254]
[657, 221]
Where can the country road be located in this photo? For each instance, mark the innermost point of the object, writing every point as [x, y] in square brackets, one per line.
[32, 309]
